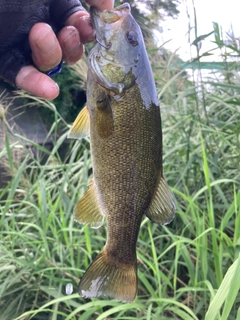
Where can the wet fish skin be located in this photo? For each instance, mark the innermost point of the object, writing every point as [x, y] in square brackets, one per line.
[126, 146]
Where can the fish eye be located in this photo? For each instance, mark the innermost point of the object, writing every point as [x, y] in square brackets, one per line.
[132, 38]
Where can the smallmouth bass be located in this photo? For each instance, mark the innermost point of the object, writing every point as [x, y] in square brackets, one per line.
[123, 119]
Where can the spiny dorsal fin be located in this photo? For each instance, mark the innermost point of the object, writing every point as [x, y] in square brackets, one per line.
[107, 278]
[162, 207]
[87, 210]
[81, 125]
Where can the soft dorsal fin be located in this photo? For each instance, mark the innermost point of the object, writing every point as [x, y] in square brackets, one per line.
[87, 210]
[81, 125]
[162, 207]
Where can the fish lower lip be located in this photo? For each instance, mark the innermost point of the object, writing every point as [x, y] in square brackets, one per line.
[111, 16]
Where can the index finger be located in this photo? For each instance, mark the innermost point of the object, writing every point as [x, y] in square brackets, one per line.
[101, 4]
[81, 21]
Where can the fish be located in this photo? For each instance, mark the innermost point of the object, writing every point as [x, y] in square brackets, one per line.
[122, 118]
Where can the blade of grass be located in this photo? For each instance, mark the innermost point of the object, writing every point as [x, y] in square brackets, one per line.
[226, 293]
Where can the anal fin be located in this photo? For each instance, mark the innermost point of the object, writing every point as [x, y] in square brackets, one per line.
[87, 210]
[81, 125]
[162, 207]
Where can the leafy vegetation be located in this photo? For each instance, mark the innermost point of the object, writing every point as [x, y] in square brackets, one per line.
[187, 270]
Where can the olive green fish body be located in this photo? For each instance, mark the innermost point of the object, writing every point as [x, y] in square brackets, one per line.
[126, 147]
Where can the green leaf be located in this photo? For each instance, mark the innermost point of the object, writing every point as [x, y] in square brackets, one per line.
[202, 37]
[226, 293]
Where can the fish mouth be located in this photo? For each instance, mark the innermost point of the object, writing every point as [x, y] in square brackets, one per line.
[105, 25]
[101, 19]
[109, 16]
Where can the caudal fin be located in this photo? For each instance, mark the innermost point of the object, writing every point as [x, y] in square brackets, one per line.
[108, 278]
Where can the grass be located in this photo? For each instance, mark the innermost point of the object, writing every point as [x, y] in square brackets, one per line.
[187, 270]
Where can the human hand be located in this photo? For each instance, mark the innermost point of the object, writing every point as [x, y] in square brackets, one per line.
[101, 4]
[49, 49]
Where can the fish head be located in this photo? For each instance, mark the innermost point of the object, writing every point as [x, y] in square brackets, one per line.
[116, 58]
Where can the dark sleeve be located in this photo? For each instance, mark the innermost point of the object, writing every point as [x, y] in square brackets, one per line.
[17, 18]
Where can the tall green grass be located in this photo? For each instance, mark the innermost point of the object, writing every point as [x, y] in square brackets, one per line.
[187, 270]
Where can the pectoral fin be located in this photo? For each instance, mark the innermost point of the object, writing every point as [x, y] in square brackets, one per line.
[81, 125]
[162, 207]
[104, 116]
[87, 210]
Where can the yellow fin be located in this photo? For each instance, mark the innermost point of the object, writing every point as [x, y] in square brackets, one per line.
[81, 125]
[107, 278]
[162, 207]
[87, 210]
